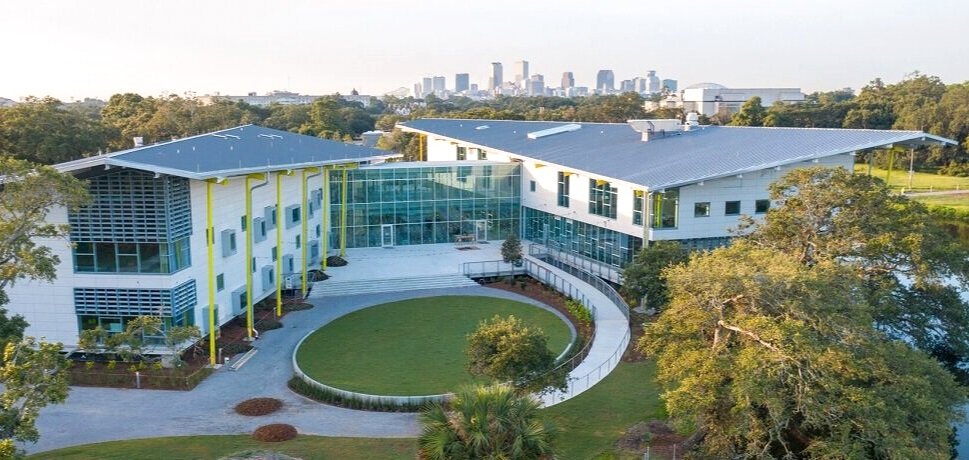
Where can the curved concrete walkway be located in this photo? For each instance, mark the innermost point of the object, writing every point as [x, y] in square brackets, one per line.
[107, 414]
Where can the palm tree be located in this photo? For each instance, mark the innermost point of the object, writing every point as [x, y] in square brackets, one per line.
[486, 422]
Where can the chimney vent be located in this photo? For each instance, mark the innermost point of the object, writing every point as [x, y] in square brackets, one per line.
[139, 141]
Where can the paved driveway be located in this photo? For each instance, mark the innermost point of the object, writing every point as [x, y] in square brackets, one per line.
[106, 414]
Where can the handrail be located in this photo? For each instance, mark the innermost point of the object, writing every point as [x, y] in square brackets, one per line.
[593, 266]
[543, 274]
[586, 276]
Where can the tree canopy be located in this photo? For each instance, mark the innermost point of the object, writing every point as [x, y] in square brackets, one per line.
[909, 266]
[507, 350]
[751, 113]
[765, 356]
[643, 277]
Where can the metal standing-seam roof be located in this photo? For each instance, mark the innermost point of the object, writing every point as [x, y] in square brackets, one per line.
[231, 152]
[616, 150]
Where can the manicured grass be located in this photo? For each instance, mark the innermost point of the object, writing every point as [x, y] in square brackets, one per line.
[412, 347]
[590, 423]
[212, 447]
[921, 181]
[960, 201]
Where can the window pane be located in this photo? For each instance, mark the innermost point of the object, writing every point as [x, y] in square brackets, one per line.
[761, 206]
[732, 208]
[105, 257]
[150, 258]
[701, 209]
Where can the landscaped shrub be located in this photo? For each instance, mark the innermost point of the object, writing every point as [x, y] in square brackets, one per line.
[275, 432]
[258, 406]
[268, 324]
[580, 312]
[335, 261]
[329, 397]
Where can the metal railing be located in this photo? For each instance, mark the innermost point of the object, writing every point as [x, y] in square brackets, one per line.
[593, 266]
[577, 384]
[582, 274]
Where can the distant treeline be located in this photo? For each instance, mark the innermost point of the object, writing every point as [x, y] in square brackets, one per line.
[46, 130]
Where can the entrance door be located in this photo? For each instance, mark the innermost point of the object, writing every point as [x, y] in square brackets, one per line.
[481, 230]
[387, 235]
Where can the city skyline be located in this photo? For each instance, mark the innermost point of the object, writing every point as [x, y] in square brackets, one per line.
[72, 51]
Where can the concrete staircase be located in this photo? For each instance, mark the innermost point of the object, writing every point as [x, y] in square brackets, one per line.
[336, 287]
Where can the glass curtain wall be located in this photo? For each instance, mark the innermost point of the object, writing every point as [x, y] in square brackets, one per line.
[426, 204]
[602, 244]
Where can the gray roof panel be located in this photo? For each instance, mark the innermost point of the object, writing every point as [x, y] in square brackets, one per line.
[233, 151]
[615, 150]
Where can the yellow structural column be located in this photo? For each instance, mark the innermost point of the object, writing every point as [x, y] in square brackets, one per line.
[343, 214]
[325, 218]
[210, 249]
[249, 230]
[304, 218]
[280, 226]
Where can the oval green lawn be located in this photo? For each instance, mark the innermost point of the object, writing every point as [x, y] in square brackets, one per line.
[412, 347]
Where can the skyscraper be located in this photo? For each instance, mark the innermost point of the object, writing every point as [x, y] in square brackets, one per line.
[496, 78]
[605, 81]
[521, 72]
[536, 85]
[568, 80]
[439, 84]
[669, 84]
[626, 86]
[460, 82]
[427, 86]
[653, 81]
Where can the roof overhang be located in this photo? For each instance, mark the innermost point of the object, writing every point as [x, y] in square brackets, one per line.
[909, 140]
[108, 162]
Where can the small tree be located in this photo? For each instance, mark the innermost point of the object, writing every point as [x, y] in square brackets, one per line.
[644, 276]
[33, 376]
[129, 344]
[507, 350]
[511, 249]
[486, 422]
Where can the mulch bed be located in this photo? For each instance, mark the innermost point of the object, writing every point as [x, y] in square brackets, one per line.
[655, 434]
[276, 432]
[535, 290]
[258, 406]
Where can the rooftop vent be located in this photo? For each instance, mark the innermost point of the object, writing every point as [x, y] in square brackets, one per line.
[655, 128]
[139, 141]
[553, 131]
[479, 128]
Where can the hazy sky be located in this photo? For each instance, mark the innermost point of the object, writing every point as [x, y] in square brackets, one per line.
[94, 48]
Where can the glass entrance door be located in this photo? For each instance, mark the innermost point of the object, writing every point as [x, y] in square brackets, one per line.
[387, 235]
[481, 230]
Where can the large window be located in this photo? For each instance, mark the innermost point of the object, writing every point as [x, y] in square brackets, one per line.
[563, 194]
[761, 206]
[602, 198]
[638, 202]
[599, 243]
[131, 257]
[665, 208]
[482, 154]
[701, 209]
[462, 153]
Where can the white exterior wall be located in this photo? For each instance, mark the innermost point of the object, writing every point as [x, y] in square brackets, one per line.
[703, 100]
[49, 307]
[747, 189]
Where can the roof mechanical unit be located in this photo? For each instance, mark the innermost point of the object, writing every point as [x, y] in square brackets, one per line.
[556, 130]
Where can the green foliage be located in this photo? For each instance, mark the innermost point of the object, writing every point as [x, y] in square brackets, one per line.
[751, 113]
[507, 350]
[29, 193]
[644, 275]
[45, 131]
[486, 422]
[511, 249]
[129, 345]
[767, 356]
[324, 395]
[33, 375]
[580, 312]
[831, 215]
